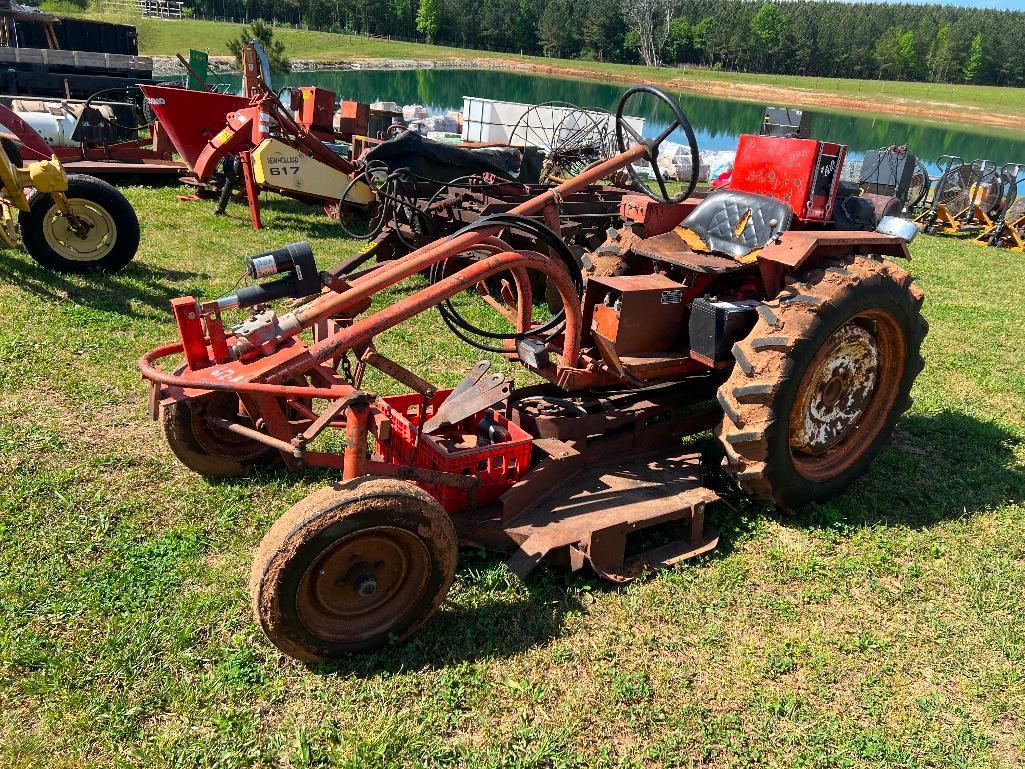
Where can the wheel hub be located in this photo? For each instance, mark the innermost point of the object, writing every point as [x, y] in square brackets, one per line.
[836, 390]
[89, 234]
[365, 582]
[216, 440]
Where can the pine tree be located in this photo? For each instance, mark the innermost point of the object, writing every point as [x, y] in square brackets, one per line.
[976, 62]
[263, 33]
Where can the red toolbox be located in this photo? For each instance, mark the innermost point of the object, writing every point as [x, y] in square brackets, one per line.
[498, 465]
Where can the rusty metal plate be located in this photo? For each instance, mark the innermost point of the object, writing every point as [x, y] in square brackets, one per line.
[671, 248]
[593, 514]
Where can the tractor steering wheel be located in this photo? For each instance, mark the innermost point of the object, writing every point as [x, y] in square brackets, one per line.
[624, 129]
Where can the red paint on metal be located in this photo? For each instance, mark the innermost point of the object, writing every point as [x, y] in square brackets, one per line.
[252, 191]
[195, 383]
[190, 329]
[190, 118]
[27, 135]
[803, 173]
[357, 417]
[656, 217]
[365, 329]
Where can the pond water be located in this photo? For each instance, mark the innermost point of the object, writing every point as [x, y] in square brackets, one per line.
[717, 122]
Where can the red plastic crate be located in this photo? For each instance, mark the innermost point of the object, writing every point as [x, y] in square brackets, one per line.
[498, 466]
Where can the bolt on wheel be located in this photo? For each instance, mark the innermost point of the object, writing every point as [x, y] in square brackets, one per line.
[363, 584]
[845, 395]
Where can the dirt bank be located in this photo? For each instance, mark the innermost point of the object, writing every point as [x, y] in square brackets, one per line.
[804, 97]
[937, 111]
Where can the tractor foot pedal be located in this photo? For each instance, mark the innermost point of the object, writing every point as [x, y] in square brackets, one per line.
[591, 521]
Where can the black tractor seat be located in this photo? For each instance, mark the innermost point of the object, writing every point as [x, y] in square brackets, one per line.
[725, 227]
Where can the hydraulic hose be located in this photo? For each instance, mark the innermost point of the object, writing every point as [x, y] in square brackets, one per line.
[462, 328]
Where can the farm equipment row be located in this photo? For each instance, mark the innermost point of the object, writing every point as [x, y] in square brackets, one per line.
[977, 199]
[747, 311]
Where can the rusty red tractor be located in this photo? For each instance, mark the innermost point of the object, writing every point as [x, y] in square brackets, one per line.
[748, 311]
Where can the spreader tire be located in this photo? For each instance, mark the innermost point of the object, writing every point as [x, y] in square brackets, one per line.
[351, 567]
[109, 244]
[203, 449]
[821, 380]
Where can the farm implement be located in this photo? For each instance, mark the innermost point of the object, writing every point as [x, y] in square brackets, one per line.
[257, 141]
[970, 198]
[73, 223]
[1007, 231]
[747, 312]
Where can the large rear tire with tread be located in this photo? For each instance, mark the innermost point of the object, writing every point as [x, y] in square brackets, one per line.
[821, 380]
[351, 567]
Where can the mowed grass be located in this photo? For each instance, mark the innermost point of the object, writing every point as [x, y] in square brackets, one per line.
[167, 37]
[886, 628]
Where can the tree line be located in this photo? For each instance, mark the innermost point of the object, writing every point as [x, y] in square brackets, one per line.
[943, 44]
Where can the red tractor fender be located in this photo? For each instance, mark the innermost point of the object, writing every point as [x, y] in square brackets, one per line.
[25, 134]
[799, 250]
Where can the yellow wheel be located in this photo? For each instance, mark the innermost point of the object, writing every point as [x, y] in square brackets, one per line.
[91, 237]
[101, 234]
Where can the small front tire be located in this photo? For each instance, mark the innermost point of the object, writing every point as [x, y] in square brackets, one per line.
[204, 448]
[351, 567]
[111, 239]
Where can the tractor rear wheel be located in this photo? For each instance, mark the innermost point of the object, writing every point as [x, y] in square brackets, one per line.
[204, 447]
[108, 241]
[351, 567]
[821, 380]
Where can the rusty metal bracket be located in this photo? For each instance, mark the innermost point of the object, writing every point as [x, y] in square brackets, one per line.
[326, 417]
[396, 371]
[409, 473]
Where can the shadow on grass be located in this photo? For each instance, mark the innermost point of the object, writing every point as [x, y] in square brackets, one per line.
[137, 283]
[938, 467]
[484, 619]
[283, 213]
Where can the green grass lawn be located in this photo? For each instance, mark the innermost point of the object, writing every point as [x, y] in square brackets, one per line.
[164, 37]
[886, 628]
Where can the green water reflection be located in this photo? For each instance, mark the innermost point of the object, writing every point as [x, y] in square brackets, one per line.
[717, 122]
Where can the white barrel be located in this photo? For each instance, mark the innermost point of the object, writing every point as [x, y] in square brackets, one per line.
[55, 129]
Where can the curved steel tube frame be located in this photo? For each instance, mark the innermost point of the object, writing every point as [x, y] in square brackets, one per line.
[332, 304]
[277, 381]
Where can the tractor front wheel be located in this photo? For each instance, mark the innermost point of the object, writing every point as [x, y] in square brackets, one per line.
[351, 567]
[104, 235]
[821, 380]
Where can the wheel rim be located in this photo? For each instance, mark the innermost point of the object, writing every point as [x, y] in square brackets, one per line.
[364, 585]
[846, 395]
[216, 440]
[98, 240]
